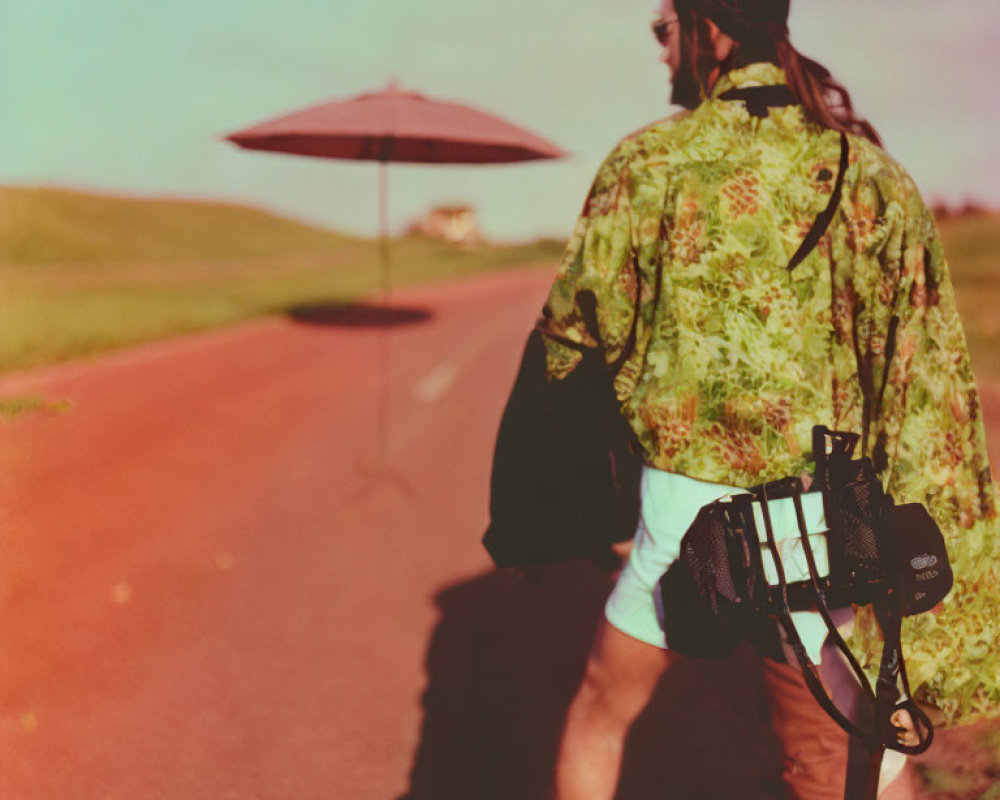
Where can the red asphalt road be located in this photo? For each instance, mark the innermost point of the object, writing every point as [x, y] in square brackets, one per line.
[207, 590]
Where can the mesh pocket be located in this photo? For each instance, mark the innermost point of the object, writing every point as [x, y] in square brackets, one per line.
[859, 502]
[706, 555]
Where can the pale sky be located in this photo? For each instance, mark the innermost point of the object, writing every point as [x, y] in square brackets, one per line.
[133, 96]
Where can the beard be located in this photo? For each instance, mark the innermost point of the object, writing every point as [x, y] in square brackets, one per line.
[685, 91]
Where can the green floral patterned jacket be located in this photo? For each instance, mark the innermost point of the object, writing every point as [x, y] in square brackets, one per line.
[740, 358]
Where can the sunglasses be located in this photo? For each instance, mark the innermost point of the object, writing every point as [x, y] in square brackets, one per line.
[661, 29]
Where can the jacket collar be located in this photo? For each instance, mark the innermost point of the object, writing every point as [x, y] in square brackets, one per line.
[760, 73]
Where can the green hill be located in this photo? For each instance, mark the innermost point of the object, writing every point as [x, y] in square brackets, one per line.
[46, 225]
[972, 246]
[84, 273]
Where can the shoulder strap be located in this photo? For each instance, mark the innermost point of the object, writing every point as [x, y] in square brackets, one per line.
[822, 221]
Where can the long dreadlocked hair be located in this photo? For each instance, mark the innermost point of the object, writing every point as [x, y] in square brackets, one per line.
[760, 30]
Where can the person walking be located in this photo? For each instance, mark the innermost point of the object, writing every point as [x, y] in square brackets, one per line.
[686, 234]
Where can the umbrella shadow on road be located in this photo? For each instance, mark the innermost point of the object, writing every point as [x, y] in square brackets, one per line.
[502, 667]
[358, 315]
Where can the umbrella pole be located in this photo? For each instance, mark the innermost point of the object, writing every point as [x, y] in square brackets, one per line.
[385, 344]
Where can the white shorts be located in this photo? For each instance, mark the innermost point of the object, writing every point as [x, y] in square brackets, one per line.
[670, 502]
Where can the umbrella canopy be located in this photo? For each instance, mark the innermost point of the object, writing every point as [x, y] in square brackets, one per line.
[396, 125]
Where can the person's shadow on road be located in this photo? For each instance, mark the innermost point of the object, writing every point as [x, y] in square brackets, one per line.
[503, 665]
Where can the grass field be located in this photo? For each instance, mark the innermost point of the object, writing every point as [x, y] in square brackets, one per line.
[81, 274]
[972, 246]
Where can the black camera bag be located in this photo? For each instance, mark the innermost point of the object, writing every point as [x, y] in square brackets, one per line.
[892, 557]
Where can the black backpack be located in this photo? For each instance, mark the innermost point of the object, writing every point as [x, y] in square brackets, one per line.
[566, 469]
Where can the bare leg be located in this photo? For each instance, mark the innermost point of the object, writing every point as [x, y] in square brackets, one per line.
[897, 781]
[814, 745]
[621, 675]
[814, 748]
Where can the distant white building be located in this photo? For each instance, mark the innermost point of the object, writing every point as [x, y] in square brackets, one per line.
[456, 224]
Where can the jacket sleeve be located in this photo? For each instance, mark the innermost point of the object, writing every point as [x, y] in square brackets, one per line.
[928, 433]
[938, 456]
[598, 259]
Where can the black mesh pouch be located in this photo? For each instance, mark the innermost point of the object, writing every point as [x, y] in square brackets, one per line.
[712, 595]
[855, 507]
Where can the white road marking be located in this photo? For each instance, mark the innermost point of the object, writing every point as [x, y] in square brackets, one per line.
[436, 382]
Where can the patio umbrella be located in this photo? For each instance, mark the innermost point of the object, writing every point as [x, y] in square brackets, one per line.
[395, 125]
